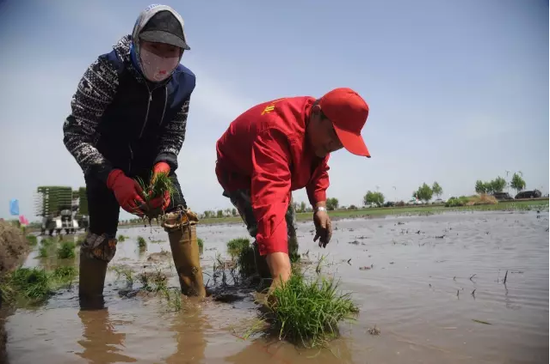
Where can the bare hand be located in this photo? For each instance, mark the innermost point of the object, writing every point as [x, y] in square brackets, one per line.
[323, 228]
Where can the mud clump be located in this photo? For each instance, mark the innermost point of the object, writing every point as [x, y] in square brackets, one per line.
[13, 247]
[159, 257]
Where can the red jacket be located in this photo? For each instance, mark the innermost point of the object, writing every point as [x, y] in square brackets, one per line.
[265, 150]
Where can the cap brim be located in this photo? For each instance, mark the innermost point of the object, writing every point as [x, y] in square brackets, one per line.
[158, 36]
[352, 142]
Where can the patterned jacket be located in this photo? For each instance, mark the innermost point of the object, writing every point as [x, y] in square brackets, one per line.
[120, 120]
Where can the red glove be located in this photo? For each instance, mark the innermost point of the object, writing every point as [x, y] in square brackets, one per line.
[127, 191]
[164, 201]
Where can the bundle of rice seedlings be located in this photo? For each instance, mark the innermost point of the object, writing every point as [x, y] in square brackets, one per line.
[154, 189]
[235, 246]
[308, 312]
[245, 262]
[66, 250]
[121, 238]
[142, 243]
[201, 245]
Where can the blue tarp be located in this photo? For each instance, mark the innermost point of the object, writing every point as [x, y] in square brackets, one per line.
[14, 207]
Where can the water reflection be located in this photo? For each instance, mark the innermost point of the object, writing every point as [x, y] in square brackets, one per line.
[100, 340]
[275, 351]
[189, 327]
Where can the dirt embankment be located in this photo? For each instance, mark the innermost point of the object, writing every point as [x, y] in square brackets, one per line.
[13, 250]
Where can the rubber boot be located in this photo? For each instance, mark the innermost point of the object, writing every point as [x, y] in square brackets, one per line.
[182, 233]
[95, 254]
[91, 281]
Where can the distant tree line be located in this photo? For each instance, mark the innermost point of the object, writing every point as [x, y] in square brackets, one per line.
[424, 193]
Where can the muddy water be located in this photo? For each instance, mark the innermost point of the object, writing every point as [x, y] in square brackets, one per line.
[423, 281]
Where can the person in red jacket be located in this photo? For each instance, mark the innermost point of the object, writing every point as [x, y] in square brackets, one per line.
[278, 147]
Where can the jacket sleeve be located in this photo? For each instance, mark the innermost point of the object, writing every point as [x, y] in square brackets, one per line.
[270, 189]
[317, 186]
[94, 93]
[173, 136]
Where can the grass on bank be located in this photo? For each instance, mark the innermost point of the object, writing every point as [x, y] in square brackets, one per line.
[26, 286]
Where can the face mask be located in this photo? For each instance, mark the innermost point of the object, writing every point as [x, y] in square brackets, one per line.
[156, 68]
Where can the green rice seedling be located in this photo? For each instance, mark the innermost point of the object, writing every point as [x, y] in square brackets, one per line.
[121, 238]
[80, 241]
[47, 242]
[235, 246]
[201, 244]
[156, 188]
[66, 250]
[124, 272]
[308, 312]
[32, 239]
[173, 299]
[43, 252]
[142, 243]
[245, 262]
[153, 281]
[63, 276]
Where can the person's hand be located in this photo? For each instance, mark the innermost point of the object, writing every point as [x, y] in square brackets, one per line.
[160, 167]
[323, 227]
[161, 201]
[127, 192]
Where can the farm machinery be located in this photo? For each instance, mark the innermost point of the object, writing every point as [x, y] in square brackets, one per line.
[61, 208]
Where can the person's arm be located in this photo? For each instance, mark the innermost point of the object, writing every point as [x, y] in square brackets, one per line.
[317, 187]
[94, 93]
[270, 189]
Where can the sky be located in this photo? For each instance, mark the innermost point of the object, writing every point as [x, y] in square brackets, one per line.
[458, 91]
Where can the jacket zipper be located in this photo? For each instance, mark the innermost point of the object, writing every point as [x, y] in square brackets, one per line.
[131, 157]
[165, 102]
[147, 113]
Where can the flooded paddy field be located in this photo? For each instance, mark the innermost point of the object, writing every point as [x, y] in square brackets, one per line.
[468, 287]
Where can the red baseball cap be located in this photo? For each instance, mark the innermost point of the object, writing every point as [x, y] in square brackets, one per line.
[348, 113]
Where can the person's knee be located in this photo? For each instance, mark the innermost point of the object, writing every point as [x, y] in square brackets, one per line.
[99, 246]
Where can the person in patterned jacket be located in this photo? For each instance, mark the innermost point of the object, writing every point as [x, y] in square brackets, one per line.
[128, 120]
